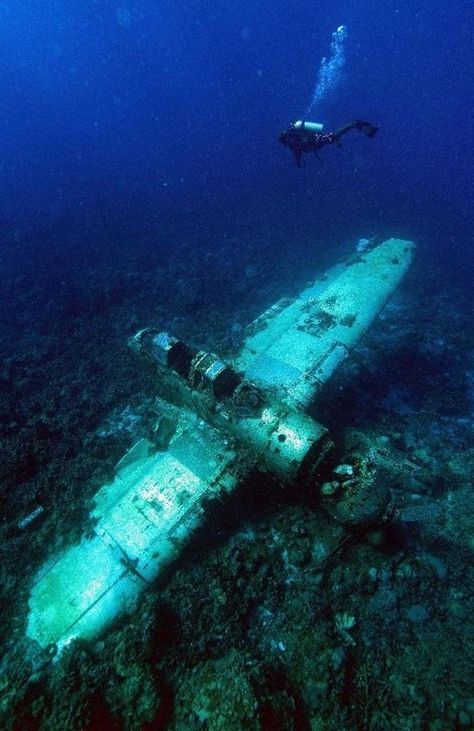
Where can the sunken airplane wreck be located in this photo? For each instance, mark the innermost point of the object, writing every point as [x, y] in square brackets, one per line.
[219, 421]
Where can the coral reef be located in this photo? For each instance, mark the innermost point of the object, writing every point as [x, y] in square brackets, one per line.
[275, 617]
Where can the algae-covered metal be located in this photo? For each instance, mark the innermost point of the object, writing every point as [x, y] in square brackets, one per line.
[143, 517]
[294, 348]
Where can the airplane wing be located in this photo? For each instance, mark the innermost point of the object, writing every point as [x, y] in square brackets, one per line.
[294, 347]
[143, 518]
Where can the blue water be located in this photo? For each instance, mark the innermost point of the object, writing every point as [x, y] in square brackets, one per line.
[142, 183]
[148, 104]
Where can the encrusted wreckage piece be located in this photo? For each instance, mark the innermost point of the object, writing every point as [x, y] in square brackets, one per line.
[218, 421]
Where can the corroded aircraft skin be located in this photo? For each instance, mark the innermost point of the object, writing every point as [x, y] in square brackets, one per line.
[295, 347]
[218, 422]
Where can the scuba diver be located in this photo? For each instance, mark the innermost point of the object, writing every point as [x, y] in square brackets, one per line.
[304, 136]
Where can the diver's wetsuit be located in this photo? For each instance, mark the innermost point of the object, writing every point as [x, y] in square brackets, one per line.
[301, 139]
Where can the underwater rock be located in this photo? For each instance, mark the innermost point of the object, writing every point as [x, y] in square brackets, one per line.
[134, 697]
[343, 471]
[217, 695]
[362, 501]
[418, 614]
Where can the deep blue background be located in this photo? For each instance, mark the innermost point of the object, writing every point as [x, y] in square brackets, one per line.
[150, 110]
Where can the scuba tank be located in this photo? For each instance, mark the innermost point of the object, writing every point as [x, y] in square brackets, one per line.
[310, 126]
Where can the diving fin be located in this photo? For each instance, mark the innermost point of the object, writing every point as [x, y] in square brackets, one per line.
[369, 129]
[297, 154]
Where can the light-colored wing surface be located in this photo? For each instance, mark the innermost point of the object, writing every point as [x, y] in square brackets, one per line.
[294, 347]
[143, 518]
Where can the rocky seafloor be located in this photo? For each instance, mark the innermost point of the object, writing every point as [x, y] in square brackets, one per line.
[275, 617]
